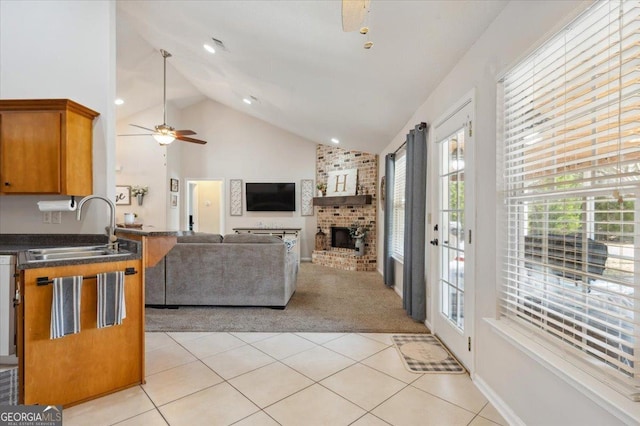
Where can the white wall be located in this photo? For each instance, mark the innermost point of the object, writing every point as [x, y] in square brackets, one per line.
[61, 49]
[242, 147]
[174, 171]
[535, 395]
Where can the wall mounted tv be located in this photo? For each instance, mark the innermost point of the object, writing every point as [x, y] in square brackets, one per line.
[271, 197]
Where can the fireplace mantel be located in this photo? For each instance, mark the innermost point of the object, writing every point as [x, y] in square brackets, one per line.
[346, 200]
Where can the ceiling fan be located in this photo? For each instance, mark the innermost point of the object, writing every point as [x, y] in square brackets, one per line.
[163, 133]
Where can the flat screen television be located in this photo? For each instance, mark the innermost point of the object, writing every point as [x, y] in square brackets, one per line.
[271, 197]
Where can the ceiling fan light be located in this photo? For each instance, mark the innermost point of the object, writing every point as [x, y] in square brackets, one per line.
[209, 48]
[163, 139]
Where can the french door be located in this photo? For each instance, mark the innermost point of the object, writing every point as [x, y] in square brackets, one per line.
[452, 232]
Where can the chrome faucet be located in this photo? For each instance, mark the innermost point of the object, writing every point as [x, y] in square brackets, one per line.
[112, 222]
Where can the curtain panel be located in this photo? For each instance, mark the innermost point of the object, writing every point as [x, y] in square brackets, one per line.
[388, 266]
[413, 281]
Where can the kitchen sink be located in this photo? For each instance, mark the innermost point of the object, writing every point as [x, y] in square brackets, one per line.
[70, 253]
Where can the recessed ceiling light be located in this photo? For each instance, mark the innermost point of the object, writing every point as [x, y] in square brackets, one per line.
[118, 101]
[209, 48]
[247, 101]
[335, 140]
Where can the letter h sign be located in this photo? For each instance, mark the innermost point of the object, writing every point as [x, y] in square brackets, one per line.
[342, 182]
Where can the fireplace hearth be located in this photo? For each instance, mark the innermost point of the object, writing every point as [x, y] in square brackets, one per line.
[341, 238]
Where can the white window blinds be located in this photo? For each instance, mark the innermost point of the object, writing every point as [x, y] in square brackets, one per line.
[399, 182]
[571, 173]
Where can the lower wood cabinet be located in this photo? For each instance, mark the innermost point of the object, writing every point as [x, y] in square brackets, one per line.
[86, 365]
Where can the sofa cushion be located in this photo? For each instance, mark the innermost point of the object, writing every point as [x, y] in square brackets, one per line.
[251, 238]
[199, 237]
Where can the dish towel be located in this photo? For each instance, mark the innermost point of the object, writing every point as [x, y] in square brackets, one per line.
[65, 306]
[111, 307]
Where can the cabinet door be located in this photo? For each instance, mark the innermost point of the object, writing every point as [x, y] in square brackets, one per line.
[82, 366]
[30, 152]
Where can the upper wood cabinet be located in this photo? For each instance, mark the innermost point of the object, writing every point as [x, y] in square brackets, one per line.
[46, 147]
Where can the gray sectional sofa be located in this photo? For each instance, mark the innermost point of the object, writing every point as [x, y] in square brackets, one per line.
[237, 270]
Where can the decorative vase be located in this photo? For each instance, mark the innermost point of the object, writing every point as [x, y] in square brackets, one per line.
[320, 194]
[129, 218]
[360, 246]
[140, 198]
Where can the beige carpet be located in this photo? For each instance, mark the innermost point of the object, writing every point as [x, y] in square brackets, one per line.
[326, 300]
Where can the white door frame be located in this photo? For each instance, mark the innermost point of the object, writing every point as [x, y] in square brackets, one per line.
[188, 201]
[438, 324]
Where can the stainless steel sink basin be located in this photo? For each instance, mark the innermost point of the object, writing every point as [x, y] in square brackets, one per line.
[70, 253]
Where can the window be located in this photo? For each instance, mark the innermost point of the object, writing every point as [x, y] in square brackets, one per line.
[399, 181]
[571, 180]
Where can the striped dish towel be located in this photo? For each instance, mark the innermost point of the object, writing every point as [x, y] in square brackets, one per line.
[65, 306]
[111, 307]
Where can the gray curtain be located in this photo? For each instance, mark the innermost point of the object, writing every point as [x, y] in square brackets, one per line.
[413, 281]
[388, 266]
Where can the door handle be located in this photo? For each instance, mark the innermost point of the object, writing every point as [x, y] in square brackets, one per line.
[434, 242]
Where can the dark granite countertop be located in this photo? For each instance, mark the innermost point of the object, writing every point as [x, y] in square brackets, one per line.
[148, 231]
[17, 244]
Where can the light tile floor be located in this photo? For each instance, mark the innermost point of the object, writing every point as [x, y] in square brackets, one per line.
[285, 379]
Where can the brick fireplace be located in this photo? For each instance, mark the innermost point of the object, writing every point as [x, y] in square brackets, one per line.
[344, 216]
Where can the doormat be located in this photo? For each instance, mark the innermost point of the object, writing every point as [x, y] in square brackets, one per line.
[9, 387]
[423, 353]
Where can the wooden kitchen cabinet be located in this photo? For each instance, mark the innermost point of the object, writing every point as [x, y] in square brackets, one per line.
[86, 365]
[46, 147]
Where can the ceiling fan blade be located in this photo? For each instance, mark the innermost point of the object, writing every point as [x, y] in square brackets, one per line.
[353, 14]
[144, 128]
[184, 132]
[186, 139]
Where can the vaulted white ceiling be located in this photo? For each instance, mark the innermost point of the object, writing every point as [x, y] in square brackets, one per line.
[308, 75]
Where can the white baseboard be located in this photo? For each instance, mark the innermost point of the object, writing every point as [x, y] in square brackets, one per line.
[305, 259]
[499, 404]
[428, 325]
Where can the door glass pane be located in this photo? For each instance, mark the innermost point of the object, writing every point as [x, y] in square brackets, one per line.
[452, 220]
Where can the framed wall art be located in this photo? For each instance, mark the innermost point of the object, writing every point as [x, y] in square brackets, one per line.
[174, 185]
[235, 194]
[306, 200]
[342, 182]
[123, 195]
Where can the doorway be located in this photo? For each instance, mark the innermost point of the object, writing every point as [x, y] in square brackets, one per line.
[205, 205]
[453, 283]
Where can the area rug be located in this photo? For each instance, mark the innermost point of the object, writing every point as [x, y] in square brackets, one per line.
[9, 387]
[326, 300]
[424, 353]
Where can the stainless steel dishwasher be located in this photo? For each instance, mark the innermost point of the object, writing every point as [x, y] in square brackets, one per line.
[7, 311]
